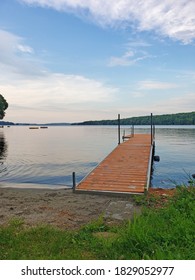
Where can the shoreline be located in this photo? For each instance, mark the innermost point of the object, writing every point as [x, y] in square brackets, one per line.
[64, 209]
[32, 186]
[61, 208]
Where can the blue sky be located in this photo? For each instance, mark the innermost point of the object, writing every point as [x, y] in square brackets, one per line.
[76, 60]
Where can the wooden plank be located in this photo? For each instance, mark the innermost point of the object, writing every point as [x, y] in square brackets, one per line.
[124, 170]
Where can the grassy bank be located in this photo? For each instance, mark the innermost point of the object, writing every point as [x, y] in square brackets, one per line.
[163, 231]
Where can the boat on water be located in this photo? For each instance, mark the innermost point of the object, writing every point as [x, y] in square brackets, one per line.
[37, 127]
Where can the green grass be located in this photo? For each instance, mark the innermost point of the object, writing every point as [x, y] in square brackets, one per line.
[167, 232]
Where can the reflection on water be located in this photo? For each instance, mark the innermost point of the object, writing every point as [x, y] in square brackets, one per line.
[3, 152]
[49, 156]
[176, 147]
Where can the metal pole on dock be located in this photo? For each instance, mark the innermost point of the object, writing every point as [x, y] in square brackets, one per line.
[151, 122]
[73, 181]
[119, 129]
[154, 131]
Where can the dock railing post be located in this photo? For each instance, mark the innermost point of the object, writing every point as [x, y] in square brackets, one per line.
[154, 132]
[119, 130]
[133, 130]
[151, 122]
[123, 135]
[73, 181]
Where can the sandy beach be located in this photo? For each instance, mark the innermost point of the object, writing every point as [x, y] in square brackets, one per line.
[62, 207]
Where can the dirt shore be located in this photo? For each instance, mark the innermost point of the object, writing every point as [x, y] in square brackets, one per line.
[61, 208]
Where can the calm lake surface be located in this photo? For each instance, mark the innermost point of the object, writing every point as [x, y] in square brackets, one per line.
[49, 156]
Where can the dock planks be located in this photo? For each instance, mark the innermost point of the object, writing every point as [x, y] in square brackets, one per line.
[124, 170]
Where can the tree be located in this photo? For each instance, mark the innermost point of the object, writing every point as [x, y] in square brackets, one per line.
[3, 106]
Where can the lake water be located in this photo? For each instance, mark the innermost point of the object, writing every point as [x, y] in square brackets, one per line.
[49, 156]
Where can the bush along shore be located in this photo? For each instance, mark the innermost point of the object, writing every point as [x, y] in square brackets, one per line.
[165, 229]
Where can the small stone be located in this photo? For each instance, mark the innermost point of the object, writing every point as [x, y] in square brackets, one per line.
[19, 213]
[120, 210]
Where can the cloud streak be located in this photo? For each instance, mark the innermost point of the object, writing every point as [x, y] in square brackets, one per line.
[155, 85]
[128, 59]
[184, 103]
[168, 18]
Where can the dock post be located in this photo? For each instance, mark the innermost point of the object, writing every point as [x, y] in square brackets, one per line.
[119, 130]
[123, 135]
[154, 134]
[151, 122]
[73, 181]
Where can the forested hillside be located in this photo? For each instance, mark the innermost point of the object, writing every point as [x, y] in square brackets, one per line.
[169, 119]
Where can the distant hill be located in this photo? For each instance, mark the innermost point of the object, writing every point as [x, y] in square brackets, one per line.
[2, 123]
[56, 124]
[6, 123]
[168, 119]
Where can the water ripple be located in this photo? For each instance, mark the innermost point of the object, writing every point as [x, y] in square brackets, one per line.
[51, 157]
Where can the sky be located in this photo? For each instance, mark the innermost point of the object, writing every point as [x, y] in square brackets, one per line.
[77, 60]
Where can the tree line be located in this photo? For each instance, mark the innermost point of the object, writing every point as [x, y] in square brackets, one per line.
[3, 106]
[168, 119]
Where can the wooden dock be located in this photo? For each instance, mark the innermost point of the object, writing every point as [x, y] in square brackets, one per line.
[126, 170]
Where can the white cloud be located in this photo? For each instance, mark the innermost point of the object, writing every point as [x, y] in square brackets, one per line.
[57, 88]
[10, 44]
[181, 103]
[137, 43]
[56, 97]
[34, 93]
[13, 56]
[132, 56]
[155, 85]
[186, 75]
[126, 60]
[25, 49]
[169, 18]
